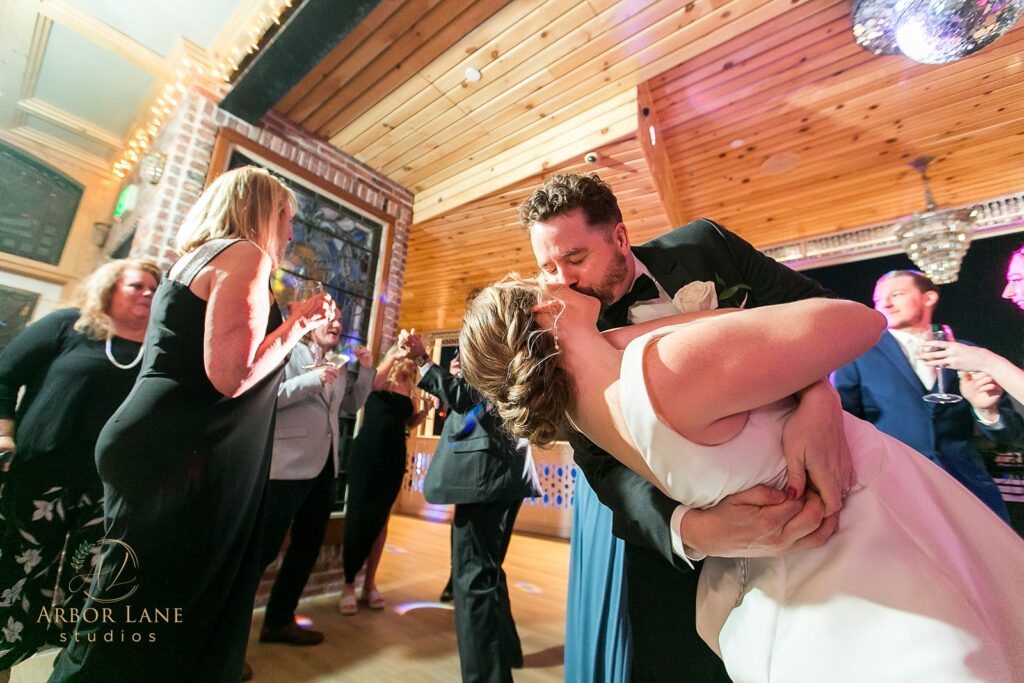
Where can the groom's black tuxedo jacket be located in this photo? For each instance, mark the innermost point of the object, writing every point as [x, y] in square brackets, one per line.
[698, 251]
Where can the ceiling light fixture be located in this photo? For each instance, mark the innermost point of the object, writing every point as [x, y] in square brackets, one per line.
[936, 240]
[932, 31]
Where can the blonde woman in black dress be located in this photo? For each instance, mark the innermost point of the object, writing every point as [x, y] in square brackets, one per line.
[185, 459]
[375, 471]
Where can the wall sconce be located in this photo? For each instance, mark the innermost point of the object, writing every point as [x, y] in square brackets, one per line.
[151, 168]
[100, 231]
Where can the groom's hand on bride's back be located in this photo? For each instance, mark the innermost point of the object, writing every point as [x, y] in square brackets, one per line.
[758, 522]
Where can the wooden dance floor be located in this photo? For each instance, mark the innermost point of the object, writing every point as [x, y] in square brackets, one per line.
[413, 638]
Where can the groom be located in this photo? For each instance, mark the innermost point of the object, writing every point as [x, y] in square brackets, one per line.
[579, 240]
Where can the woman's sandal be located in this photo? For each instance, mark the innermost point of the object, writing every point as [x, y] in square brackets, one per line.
[373, 599]
[348, 605]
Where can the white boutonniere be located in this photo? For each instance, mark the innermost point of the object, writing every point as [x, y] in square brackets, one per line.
[696, 296]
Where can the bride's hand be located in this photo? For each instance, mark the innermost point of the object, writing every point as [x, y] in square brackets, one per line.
[814, 443]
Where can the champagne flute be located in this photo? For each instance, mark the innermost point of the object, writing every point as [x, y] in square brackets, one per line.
[939, 333]
[305, 290]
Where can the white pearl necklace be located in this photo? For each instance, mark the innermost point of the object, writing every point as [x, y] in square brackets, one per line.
[110, 357]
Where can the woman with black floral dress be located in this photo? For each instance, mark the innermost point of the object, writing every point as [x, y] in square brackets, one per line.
[76, 367]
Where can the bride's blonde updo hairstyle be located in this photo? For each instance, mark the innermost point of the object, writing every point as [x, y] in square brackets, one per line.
[513, 362]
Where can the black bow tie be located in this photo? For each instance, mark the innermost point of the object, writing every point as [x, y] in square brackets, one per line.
[617, 315]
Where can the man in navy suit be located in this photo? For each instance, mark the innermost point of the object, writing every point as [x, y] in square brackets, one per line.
[885, 386]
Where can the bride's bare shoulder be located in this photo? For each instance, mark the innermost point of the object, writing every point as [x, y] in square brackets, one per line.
[679, 371]
[621, 336]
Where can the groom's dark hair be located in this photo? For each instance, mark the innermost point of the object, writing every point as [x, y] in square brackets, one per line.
[561, 194]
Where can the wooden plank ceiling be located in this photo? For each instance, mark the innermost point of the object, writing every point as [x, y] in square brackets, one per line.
[482, 241]
[768, 118]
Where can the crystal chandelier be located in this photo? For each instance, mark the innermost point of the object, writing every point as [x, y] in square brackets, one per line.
[935, 240]
[932, 31]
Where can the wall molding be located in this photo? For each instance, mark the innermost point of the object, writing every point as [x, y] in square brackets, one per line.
[996, 216]
[70, 122]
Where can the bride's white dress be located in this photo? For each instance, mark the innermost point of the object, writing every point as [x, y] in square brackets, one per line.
[921, 582]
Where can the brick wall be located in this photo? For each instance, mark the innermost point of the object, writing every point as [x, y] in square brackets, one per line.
[187, 139]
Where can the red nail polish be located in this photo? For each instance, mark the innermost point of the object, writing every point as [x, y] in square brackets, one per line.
[791, 493]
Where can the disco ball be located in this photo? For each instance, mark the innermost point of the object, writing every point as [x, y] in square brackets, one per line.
[873, 26]
[940, 31]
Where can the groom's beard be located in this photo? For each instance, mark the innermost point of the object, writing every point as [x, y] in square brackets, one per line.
[604, 291]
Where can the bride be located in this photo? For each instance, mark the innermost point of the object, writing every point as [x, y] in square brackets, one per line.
[920, 582]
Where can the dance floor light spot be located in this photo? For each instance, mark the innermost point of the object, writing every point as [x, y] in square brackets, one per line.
[406, 607]
[304, 622]
[528, 587]
[388, 548]
[437, 515]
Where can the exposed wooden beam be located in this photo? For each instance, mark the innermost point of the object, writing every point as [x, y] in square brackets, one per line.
[653, 143]
[570, 139]
[94, 30]
[70, 122]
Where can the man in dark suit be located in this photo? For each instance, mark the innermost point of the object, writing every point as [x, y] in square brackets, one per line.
[885, 386]
[579, 239]
[486, 475]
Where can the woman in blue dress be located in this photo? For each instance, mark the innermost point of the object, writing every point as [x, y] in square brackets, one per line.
[598, 644]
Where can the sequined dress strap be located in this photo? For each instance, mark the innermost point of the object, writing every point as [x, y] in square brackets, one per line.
[199, 259]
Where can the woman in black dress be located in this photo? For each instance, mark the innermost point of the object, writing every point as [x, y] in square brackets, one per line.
[375, 471]
[76, 366]
[185, 459]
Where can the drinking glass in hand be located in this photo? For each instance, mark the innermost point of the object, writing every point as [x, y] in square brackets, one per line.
[337, 358]
[939, 333]
[305, 290]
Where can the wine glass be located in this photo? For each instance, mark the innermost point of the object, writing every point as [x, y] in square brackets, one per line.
[939, 333]
[337, 358]
[305, 290]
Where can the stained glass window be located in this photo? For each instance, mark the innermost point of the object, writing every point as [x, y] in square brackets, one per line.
[335, 245]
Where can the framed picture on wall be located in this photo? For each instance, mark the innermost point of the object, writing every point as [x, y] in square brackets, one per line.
[16, 308]
[39, 204]
[339, 240]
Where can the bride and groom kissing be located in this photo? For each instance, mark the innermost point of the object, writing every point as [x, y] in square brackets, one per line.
[833, 551]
